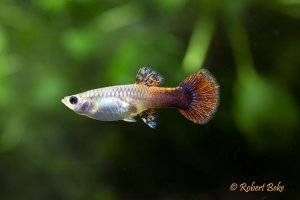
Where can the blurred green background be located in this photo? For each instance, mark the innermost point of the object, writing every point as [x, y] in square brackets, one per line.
[53, 48]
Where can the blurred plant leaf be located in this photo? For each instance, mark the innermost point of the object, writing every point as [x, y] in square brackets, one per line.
[13, 132]
[3, 41]
[118, 17]
[240, 46]
[50, 5]
[291, 10]
[259, 103]
[5, 91]
[170, 5]
[152, 49]
[105, 193]
[7, 67]
[17, 17]
[265, 112]
[288, 2]
[78, 43]
[199, 44]
[47, 92]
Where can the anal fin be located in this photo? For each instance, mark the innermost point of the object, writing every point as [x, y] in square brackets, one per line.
[150, 117]
[129, 119]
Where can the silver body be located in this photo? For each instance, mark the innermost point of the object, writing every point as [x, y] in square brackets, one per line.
[110, 109]
[111, 103]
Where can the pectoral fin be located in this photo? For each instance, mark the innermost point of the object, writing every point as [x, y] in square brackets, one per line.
[129, 119]
[149, 77]
[150, 117]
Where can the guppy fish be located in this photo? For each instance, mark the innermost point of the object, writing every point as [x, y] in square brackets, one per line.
[196, 98]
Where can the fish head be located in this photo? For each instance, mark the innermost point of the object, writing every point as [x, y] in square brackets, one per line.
[79, 104]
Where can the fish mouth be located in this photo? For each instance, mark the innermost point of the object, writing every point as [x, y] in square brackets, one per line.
[64, 100]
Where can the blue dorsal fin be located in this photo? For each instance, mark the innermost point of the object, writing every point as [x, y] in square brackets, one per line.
[149, 77]
[150, 117]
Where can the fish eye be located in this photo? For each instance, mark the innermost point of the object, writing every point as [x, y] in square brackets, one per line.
[73, 100]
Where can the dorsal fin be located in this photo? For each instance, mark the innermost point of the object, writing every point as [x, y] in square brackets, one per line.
[150, 117]
[149, 77]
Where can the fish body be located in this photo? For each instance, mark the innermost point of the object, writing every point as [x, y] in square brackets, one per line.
[124, 102]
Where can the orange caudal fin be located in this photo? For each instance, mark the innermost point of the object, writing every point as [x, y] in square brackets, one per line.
[202, 93]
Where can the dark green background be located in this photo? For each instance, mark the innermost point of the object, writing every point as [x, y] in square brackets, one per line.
[53, 48]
